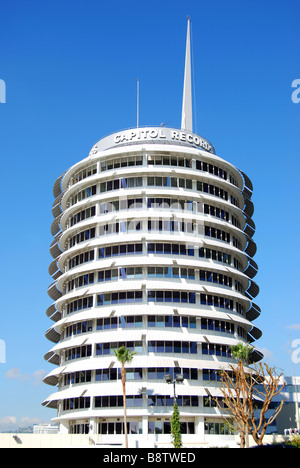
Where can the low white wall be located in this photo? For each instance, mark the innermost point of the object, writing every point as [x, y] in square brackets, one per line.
[43, 440]
[77, 441]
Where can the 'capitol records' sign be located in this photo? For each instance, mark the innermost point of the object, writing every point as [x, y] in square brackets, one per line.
[158, 135]
[165, 134]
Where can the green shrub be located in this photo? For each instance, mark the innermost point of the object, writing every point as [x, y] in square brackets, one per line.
[175, 427]
[295, 441]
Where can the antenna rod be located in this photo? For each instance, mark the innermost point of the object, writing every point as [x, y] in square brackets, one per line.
[138, 104]
[187, 112]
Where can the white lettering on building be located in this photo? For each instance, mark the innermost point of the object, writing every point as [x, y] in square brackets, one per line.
[161, 134]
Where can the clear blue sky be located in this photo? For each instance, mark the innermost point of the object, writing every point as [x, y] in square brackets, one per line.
[70, 69]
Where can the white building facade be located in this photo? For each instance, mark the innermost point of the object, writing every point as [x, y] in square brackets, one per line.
[153, 250]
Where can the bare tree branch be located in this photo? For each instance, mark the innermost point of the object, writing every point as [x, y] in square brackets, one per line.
[247, 396]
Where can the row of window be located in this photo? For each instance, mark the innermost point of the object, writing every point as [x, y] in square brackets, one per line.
[217, 325]
[157, 202]
[169, 204]
[219, 428]
[130, 226]
[214, 402]
[169, 182]
[82, 215]
[154, 248]
[132, 401]
[124, 183]
[113, 401]
[127, 297]
[136, 401]
[183, 297]
[215, 170]
[83, 428]
[162, 426]
[154, 181]
[123, 273]
[78, 352]
[134, 297]
[84, 173]
[82, 236]
[216, 301]
[169, 160]
[123, 297]
[125, 161]
[83, 194]
[152, 373]
[84, 257]
[152, 160]
[164, 347]
[191, 251]
[76, 403]
[133, 427]
[164, 321]
[213, 349]
[154, 203]
[158, 426]
[152, 321]
[80, 304]
[182, 347]
[120, 249]
[166, 400]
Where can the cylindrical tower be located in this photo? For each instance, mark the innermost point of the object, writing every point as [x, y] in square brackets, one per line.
[153, 250]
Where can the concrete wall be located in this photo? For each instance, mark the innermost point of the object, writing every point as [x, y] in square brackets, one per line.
[85, 441]
[43, 440]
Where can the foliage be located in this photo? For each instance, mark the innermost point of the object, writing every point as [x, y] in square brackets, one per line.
[175, 427]
[241, 352]
[295, 441]
[124, 355]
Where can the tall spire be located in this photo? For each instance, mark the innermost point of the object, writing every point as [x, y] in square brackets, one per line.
[187, 112]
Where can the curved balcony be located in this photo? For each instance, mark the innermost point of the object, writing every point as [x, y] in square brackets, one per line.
[56, 207]
[57, 188]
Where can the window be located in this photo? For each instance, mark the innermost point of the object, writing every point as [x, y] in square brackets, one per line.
[170, 272]
[78, 352]
[82, 236]
[216, 350]
[121, 162]
[217, 428]
[81, 258]
[172, 347]
[75, 403]
[171, 296]
[86, 193]
[107, 348]
[118, 250]
[162, 400]
[80, 304]
[123, 183]
[82, 215]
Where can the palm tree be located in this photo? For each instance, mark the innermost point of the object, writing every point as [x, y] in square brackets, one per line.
[124, 356]
[242, 354]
